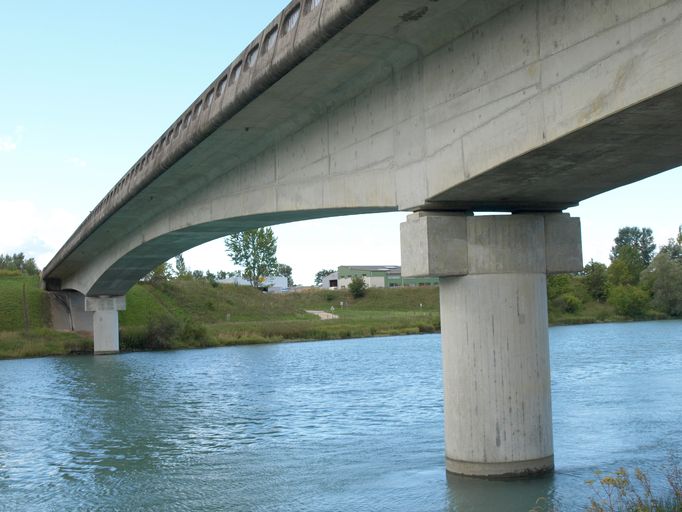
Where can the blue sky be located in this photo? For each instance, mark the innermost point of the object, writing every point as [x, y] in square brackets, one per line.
[86, 87]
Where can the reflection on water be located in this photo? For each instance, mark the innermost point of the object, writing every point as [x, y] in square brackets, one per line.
[465, 493]
[347, 425]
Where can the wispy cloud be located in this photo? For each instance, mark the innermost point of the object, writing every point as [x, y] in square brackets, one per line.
[36, 231]
[10, 142]
[7, 143]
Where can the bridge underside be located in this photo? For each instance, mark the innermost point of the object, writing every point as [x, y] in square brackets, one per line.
[638, 142]
[121, 276]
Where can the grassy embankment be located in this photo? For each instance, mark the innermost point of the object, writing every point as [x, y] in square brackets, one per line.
[198, 314]
[40, 340]
[193, 313]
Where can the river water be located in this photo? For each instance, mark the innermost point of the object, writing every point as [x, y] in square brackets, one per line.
[352, 425]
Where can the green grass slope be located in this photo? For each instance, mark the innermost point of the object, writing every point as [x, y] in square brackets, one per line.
[190, 313]
[195, 313]
[11, 303]
[201, 302]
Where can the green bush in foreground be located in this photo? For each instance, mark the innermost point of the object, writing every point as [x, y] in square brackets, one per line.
[618, 492]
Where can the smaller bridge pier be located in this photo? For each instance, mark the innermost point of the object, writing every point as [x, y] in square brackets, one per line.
[105, 322]
[495, 346]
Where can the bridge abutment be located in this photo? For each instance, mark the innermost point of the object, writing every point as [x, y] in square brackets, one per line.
[495, 347]
[105, 322]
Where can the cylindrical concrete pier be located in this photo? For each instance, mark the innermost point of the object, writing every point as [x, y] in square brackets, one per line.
[498, 412]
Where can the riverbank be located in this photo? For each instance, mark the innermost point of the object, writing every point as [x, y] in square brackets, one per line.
[196, 313]
[193, 313]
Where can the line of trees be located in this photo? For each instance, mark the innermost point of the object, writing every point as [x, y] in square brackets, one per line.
[18, 263]
[638, 282]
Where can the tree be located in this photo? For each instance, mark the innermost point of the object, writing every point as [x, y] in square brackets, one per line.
[640, 239]
[211, 278]
[595, 280]
[321, 275]
[674, 247]
[286, 271]
[626, 267]
[180, 267]
[160, 274]
[663, 279]
[357, 287]
[255, 250]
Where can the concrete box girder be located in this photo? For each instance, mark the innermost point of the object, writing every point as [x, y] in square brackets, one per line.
[472, 106]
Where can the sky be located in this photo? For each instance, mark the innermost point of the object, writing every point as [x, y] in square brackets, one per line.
[87, 87]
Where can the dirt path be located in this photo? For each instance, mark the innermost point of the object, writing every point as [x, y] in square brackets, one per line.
[324, 315]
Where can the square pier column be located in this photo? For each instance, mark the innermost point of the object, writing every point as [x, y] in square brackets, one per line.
[495, 346]
[105, 322]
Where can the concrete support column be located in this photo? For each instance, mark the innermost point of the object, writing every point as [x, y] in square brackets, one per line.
[493, 301]
[105, 322]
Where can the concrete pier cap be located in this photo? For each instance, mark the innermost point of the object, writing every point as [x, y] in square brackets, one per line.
[494, 331]
[442, 244]
[105, 322]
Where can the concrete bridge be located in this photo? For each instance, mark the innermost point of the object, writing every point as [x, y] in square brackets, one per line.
[441, 108]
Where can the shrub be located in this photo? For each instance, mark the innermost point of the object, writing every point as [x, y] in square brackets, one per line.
[568, 303]
[619, 492]
[156, 335]
[557, 285]
[192, 331]
[629, 300]
[357, 287]
[595, 279]
[160, 333]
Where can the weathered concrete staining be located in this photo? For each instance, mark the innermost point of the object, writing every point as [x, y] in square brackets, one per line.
[105, 322]
[68, 313]
[496, 381]
[530, 105]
